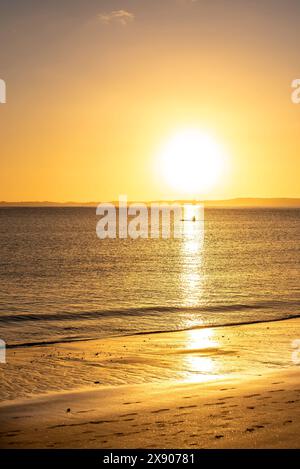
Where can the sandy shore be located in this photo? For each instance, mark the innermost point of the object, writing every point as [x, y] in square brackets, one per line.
[229, 387]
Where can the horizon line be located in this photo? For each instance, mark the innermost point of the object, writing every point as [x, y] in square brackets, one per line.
[282, 201]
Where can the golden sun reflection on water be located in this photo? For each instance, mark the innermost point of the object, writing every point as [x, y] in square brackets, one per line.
[200, 346]
[192, 255]
[201, 339]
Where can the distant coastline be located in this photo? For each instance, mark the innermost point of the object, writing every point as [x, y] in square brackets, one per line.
[246, 202]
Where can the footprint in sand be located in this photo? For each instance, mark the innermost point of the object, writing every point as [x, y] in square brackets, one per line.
[186, 407]
[129, 403]
[159, 410]
[85, 411]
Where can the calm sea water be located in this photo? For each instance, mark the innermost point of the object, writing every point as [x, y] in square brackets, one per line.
[59, 281]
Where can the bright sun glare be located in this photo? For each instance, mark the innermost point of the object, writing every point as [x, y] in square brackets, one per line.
[192, 161]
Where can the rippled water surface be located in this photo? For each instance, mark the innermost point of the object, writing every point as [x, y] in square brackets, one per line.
[59, 281]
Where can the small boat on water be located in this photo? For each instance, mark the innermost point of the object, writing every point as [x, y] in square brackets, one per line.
[189, 219]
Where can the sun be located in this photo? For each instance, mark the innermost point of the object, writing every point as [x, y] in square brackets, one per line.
[191, 161]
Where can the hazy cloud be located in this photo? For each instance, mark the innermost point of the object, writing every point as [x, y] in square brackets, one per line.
[186, 2]
[117, 16]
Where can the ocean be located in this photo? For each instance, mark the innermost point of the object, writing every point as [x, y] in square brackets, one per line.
[59, 282]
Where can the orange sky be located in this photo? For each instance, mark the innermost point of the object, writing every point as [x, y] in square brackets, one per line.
[95, 87]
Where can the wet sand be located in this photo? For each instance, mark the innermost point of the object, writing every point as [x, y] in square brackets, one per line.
[228, 387]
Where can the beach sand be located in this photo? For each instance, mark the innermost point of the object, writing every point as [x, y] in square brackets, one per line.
[225, 387]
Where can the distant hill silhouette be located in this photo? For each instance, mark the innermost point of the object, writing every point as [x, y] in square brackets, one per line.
[237, 203]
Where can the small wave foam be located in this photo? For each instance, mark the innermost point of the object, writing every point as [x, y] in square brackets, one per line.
[204, 326]
[146, 311]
